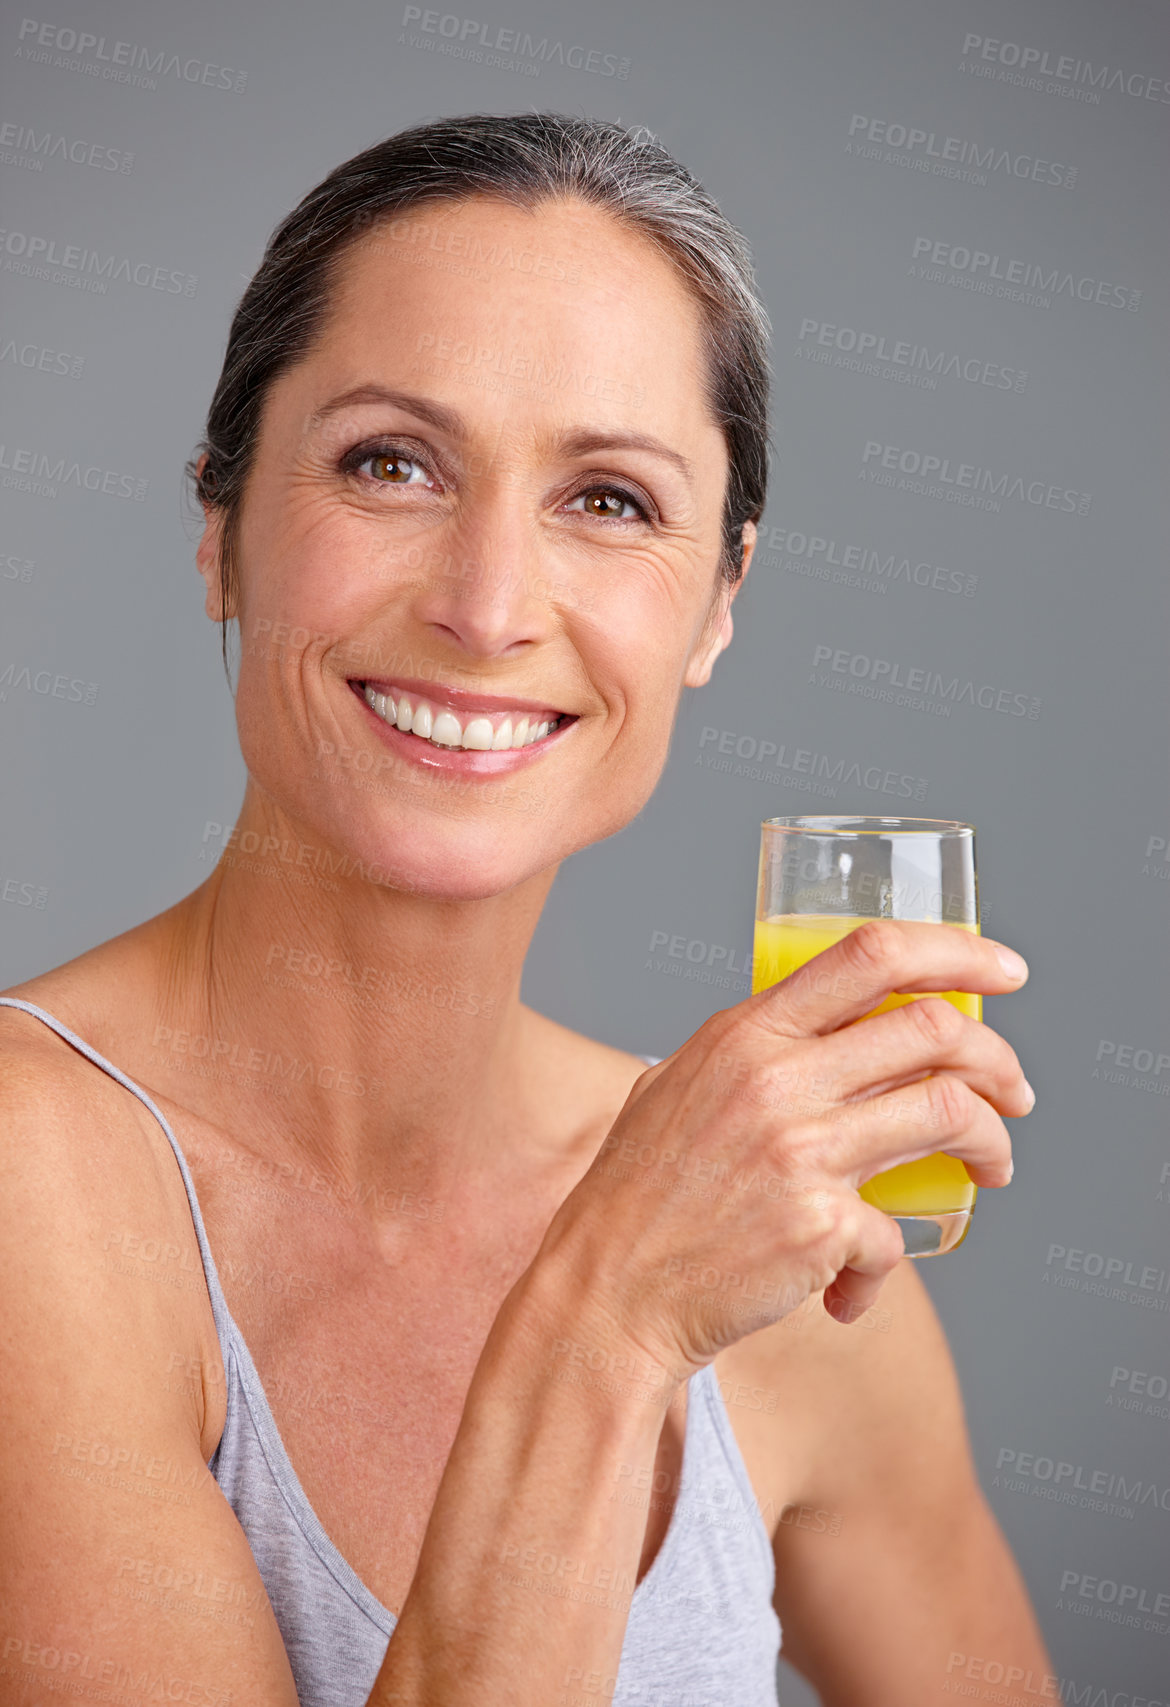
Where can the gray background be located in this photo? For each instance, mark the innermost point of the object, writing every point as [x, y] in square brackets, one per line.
[1065, 609]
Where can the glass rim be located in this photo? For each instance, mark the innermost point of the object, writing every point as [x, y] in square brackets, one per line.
[840, 824]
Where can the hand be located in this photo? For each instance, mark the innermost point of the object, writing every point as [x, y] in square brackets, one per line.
[726, 1191]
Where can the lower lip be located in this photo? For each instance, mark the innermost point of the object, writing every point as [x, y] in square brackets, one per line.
[460, 761]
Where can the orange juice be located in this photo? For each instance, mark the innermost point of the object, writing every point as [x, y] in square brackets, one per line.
[937, 1184]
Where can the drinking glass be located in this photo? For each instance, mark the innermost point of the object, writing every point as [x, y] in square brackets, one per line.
[821, 877]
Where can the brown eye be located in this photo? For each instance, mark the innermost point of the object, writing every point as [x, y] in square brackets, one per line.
[389, 465]
[392, 469]
[607, 503]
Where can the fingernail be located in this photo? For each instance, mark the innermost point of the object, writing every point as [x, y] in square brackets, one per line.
[1013, 964]
[1031, 1096]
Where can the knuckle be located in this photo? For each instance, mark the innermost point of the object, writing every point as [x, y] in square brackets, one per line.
[795, 1143]
[873, 948]
[950, 1102]
[938, 1021]
[1010, 1069]
[893, 1241]
[881, 1236]
[723, 1027]
[821, 1219]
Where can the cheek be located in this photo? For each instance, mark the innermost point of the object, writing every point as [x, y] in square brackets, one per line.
[641, 636]
[310, 563]
[638, 672]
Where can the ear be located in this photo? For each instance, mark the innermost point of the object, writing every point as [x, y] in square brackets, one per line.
[698, 672]
[207, 556]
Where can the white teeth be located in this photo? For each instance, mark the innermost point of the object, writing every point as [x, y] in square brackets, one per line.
[478, 734]
[444, 729]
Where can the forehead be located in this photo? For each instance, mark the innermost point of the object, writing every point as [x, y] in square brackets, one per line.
[560, 310]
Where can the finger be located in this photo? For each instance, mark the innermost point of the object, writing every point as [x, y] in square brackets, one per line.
[879, 958]
[927, 1035]
[877, 1248]
[941, 1112]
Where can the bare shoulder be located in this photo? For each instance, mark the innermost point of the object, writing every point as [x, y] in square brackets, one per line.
[103, 1364]
[49, 1088]
[87, 1176]
[579, 1070]
[844, 1399]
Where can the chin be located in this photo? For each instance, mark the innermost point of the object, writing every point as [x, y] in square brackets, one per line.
[448, 856]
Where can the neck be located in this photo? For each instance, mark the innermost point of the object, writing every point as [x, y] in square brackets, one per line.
[374, 1034]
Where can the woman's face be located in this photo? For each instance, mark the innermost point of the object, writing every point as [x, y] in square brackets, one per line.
[446, 507]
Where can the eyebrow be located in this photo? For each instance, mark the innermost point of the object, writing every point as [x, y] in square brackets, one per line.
[579, 443]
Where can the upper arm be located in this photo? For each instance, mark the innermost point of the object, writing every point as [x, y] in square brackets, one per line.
[122, 1560]
[909, 1564]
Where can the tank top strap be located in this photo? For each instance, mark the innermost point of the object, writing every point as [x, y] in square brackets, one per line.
[219, 1308]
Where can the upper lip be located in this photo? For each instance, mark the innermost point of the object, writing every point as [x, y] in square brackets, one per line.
[459, 699]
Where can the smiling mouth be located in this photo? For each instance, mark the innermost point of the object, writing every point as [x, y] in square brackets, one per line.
[474, 731]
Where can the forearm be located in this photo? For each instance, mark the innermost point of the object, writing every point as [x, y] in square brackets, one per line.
[528, 1565]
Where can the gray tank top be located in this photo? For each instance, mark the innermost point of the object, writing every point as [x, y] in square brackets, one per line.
[701, 1630]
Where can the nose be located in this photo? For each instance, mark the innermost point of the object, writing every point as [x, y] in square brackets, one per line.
[480, 585]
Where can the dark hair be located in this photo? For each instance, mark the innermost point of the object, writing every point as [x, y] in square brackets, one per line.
[522, 158]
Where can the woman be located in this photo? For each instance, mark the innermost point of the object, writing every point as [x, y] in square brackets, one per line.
[419, 1338]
